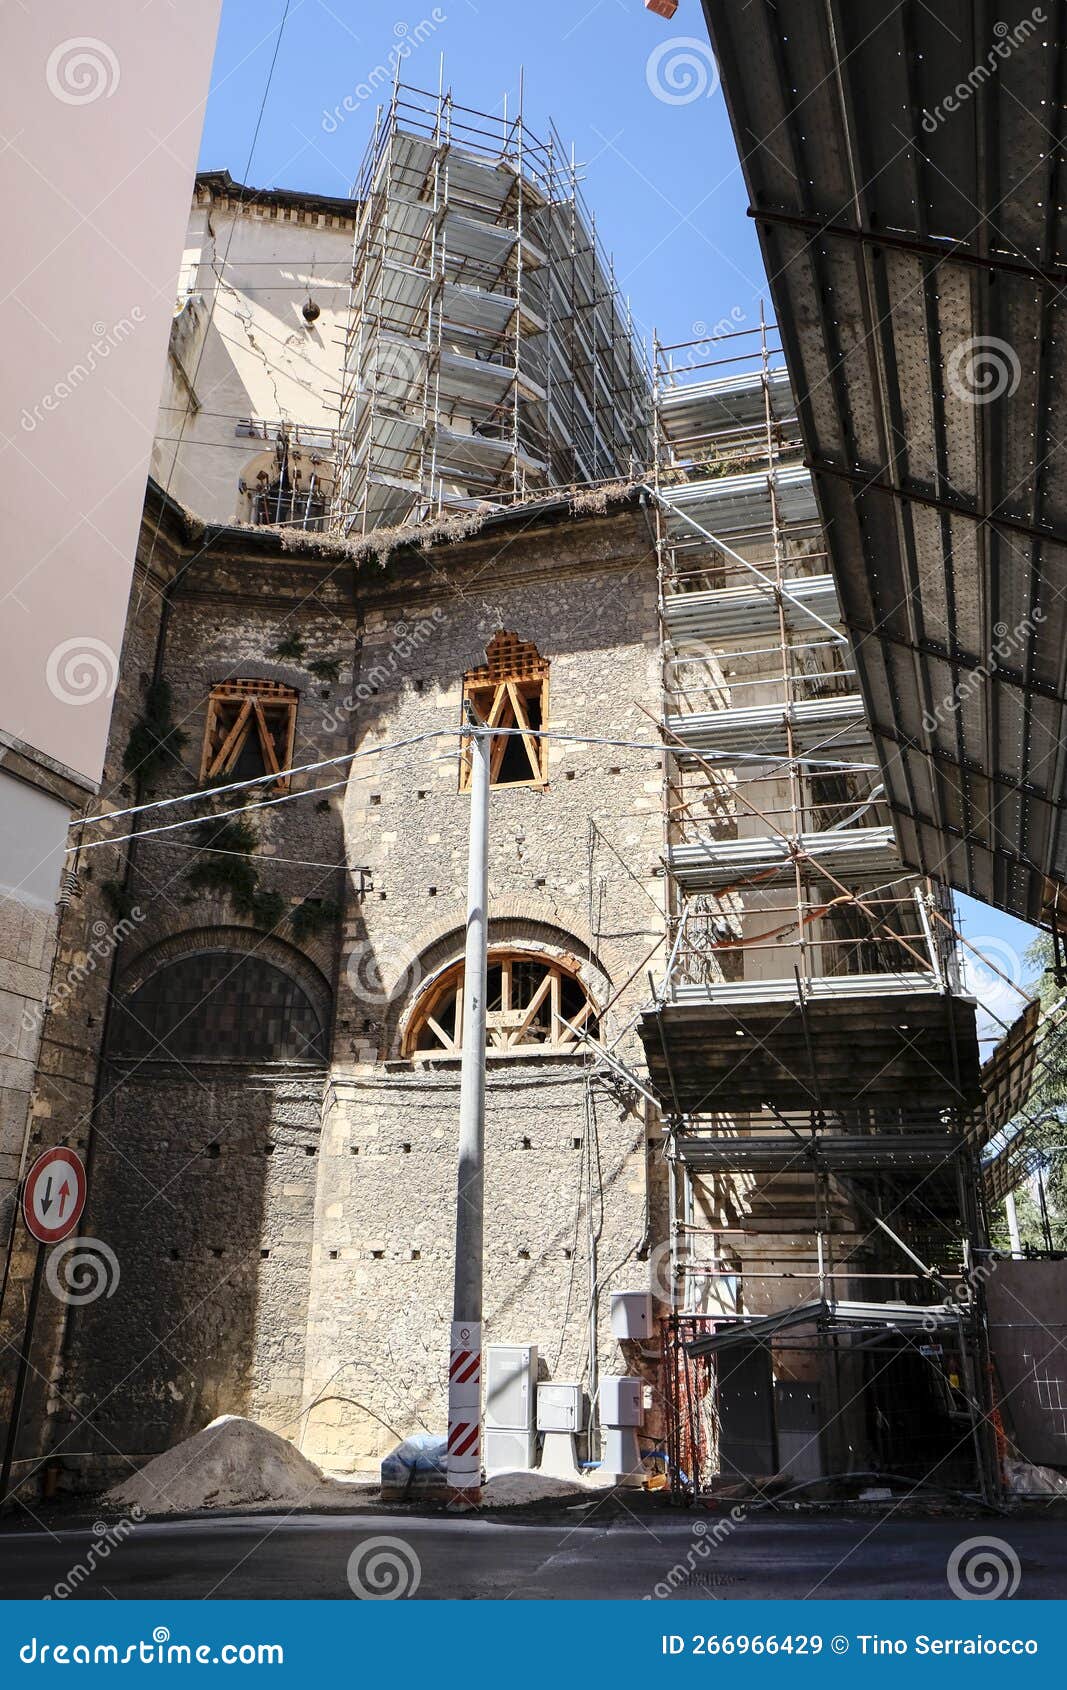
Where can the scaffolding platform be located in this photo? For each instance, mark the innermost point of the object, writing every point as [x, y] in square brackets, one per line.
[828, 726]
[860, 855]
[488, 354]
[825, 1316]
[789, 1152]
[740, 611]
[725, 502]
[850, 1042]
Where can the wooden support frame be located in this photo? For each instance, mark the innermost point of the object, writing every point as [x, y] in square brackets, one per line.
[507, 691]
[515, 1024]
[237, 709]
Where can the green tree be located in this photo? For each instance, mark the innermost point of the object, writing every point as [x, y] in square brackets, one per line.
[1046, 1108]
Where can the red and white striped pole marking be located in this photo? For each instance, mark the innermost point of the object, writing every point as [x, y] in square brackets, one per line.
[465, 1414]
[465, 1353]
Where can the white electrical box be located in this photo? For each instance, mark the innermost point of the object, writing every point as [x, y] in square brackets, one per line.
[510, 1386]
[631, 1314]
[508, 1451]
[621, 1401]
[559, 1407]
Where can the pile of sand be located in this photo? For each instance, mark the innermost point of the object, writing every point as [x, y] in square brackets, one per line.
[230, 1464]
[506, 1490]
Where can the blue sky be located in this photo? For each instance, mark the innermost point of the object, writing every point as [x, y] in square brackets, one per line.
[661, 173]
[637, 96]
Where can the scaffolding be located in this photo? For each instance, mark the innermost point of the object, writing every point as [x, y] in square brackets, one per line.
[816, 1060]
[488, 353]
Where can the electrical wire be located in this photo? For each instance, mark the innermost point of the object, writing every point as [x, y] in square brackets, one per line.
[259, 780]
[198, 821]
[730, 758]
[218, 274]
[217, 851]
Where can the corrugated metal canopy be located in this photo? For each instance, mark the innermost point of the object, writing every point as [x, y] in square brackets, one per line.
[904, 164]
[1008, 1075]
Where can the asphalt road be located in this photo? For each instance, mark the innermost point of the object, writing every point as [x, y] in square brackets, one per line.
[660, 1554]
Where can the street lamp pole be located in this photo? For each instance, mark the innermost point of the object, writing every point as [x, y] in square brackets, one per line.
[465, 1354]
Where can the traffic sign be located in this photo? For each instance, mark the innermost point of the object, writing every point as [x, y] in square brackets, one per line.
[54, 1195]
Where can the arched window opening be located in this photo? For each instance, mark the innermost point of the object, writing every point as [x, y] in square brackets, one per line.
[249, 731]
[533, 1003]
[510, 690]
[221, 1006]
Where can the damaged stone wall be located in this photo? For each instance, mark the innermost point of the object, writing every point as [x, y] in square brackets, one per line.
[241, 348]
[283, 1233]
[573, 872]
[212, 1228]
[201, 1175]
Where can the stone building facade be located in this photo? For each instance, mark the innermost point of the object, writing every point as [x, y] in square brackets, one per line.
[250, 1060]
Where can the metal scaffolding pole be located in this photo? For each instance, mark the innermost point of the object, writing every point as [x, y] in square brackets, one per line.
[488, 354]
[756, 662]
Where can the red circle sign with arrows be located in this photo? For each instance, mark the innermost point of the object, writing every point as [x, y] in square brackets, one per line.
[54, 1195]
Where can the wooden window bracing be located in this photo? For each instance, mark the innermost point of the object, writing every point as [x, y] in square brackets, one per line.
[533, 1003]
[510, 690]
[249, 731]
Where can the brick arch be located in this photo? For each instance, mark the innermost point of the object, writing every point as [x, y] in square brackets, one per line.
[242, 941]
[537, 912]
[260, 669]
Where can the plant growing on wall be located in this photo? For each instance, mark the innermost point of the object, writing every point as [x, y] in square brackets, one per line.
[310, 916]
[154, 738]
[292, 648]
[326, 668]
[226, 867]
[120, 900]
